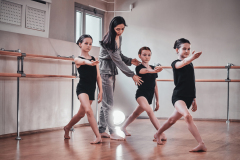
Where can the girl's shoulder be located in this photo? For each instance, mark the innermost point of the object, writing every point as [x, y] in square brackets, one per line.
[139, 67]
[174, 62]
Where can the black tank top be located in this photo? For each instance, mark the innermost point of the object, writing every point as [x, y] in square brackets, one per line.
[87, 74]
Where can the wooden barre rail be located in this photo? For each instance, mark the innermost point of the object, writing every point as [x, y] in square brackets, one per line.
[66, 76]
[206, 67]
[205, 80]
[33, 55]
[34, 75]
[10, 75]
[71, 59]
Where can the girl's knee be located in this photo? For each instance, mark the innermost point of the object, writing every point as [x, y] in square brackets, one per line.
[188, 118]
[135, 114]
[81, 115]
[149, 111]
[89, 111]
[171, 121]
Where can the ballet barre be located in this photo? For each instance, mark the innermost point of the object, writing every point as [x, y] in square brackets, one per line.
[205, 80]
[228, 67]
[20, 73]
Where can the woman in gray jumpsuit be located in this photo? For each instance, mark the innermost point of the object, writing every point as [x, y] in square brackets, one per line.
[110, 58]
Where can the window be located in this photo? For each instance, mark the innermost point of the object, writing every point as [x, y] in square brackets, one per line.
[88, 21]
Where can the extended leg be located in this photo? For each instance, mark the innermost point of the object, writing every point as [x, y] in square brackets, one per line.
[130, 119]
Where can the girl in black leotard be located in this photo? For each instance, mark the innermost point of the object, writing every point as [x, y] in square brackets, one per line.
[184, 94]
[89, 74]
[146, 90]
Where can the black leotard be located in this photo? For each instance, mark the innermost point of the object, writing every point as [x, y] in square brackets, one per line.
[88, 78]
[184, 80]
[146, 89]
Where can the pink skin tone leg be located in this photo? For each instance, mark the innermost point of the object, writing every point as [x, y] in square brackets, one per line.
[85, 108]
[181, 110]
[143, 106]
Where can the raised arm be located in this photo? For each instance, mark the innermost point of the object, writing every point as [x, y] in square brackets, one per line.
[187, 60]
[79, 62]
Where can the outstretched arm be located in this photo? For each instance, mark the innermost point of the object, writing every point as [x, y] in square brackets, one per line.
[156, 96]
[129, 61]
[116, 58]
[99, 82]
[79, 62]
[150, 70]
[187, 60]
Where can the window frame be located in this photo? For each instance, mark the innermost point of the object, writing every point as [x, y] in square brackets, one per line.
[87, 10]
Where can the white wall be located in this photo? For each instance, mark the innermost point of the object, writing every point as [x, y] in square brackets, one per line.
[211, 26]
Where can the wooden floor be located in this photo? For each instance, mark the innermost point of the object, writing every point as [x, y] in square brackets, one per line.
[222, 141]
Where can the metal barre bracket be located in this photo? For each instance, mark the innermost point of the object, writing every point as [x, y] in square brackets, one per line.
[18, 50]
[18, 65]
[23, 54]
[74, 69]
[72, 56]
[229, 65]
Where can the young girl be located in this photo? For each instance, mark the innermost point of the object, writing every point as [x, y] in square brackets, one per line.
[184, 94]
[145, 92]
[88, 73]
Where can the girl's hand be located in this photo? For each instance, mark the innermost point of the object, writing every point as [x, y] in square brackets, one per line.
[157, 106]
[94, 63]
[158, 69]
[135, 62]
[99, 97]
[194, 105]
[196, 55]
[137, 80]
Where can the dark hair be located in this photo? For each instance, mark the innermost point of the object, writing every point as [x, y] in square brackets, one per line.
[82, 37]
[180, 41]
[144, 48]
[108, 41]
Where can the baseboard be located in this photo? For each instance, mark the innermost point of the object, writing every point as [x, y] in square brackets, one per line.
[40, 131]
[196, 119]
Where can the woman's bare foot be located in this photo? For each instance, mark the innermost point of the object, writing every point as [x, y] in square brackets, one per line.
[97, 140]
[66, 134]
[200, 148]
[125, 131]
[162, 136]
[105, 135]
[114, 136]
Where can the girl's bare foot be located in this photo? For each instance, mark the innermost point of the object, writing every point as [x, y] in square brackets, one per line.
[105, 135]
[158, 139]
[114, 136]
[125, 131]
[66, 134]
[162, 136]
[200, 148]
[97, 140]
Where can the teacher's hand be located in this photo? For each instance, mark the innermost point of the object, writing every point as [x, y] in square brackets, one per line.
[135, 62]
[137, 80]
